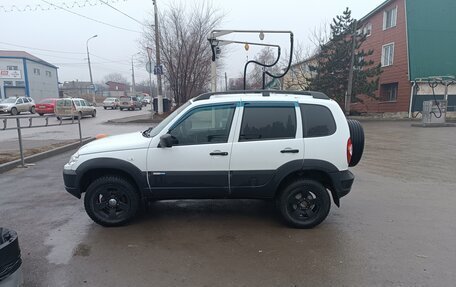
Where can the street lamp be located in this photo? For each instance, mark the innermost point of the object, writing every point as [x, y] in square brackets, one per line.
[90, 68]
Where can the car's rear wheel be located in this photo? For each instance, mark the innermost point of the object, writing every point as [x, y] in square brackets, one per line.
[14, 112]
[105, 108]
[304, 203]
[357, 139]
[111, 201]
[80, 115]
[41, 114]
[32, 110]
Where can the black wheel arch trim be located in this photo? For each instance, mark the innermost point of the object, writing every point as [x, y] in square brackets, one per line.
[73, 178]
[336, 177]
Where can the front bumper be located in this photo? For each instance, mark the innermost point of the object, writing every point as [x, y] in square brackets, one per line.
[70, 178]
[342, 182]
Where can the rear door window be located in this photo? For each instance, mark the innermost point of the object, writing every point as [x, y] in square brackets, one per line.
[317, 121]
[268, 122]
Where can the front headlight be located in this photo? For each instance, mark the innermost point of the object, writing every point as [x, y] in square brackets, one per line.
[74, 158]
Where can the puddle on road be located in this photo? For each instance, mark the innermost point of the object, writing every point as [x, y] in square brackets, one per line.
[65, 240]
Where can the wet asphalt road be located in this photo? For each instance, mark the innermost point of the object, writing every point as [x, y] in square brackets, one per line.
[396, 228]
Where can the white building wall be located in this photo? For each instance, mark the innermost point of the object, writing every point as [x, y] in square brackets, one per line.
[4, 63]
[42, 85]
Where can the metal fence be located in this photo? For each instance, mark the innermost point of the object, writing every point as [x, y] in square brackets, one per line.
[29, 124]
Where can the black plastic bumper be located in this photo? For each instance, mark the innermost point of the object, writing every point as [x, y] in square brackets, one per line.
[342, 183]
[70, 179]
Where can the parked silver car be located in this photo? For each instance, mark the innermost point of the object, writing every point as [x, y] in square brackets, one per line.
[112, 103]
[74, 107]
[17, 105]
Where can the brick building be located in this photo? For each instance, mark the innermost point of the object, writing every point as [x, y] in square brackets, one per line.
[412, 39]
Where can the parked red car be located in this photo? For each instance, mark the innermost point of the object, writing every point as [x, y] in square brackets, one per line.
[46, 106]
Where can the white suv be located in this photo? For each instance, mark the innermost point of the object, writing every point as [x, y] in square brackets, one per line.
[292, 147]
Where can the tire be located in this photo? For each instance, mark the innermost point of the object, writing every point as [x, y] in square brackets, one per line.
[140, 108]
[94, 113]
[14, 112]
[41, 115]
[357, 139]
[105, 108]
[80, 115]
[121, 210]
[32, 110]
[304, 203]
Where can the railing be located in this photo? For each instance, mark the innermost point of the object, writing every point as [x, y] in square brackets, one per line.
[4, 127]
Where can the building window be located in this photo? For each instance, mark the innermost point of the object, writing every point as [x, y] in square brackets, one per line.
[367, 30]
[20, 83]
[387, 54]
[389, 18]
[36, 71]
[8, 83]
[388, 92]
[48, 74]
[11, 68]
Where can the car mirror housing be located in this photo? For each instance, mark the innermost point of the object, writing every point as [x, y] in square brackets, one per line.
[166, 140]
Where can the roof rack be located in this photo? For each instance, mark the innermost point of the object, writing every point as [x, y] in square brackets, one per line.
[265, 93]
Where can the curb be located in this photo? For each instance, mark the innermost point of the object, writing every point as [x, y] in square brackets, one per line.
[42, 155]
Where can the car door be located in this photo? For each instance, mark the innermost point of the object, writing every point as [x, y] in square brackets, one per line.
[197, 164]
[268, 142]
[21, 105]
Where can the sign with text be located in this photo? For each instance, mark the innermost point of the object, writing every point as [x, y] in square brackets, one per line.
[10, 74]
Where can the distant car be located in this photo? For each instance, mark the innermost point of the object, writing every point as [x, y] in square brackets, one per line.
[112, 103]
[147, 100]
[130, 103]
[15, 106]
[74, 107]
[46, 106]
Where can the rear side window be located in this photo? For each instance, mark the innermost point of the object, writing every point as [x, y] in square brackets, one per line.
[317, 121]
[268, 123]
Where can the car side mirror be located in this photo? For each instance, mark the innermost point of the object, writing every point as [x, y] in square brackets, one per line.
[166, 140]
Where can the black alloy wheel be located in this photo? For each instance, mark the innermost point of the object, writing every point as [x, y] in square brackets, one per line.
[304, 203]
[111, 201]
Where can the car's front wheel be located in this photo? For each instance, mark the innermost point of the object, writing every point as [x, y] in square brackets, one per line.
[304, 203]
[111, 201]
[94, 113]
[14, 112]
[32, 110]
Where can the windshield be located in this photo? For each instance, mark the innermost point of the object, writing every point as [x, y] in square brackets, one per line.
[9, 101]
[110, 100]
[155, 131]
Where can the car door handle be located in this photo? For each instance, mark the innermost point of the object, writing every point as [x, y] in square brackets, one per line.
[217, 152]
[289, 150]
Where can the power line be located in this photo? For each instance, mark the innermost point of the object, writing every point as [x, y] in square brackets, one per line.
[92, 19]
[125, 14]
[45, 50]
[38, 7]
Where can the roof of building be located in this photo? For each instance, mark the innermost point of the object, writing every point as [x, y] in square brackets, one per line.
[379, 7]
[24, 55]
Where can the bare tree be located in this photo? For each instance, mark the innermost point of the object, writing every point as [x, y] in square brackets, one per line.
[299, 76]
[185, 51]
[115, 77]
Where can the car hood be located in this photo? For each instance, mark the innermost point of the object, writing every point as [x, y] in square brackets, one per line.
[116, 143]
[6, 105]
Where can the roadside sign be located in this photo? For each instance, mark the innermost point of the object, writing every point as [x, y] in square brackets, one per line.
[149, 67]
[158, 70]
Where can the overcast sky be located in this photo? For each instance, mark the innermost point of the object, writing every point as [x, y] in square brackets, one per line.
[65, 34]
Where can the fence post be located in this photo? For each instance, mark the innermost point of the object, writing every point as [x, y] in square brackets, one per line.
[21, 149]
[80, 132]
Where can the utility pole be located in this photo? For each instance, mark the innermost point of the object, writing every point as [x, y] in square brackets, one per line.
[133, 77]
[90, 69]
[226, 83]
[350, 72]
[158, 62]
